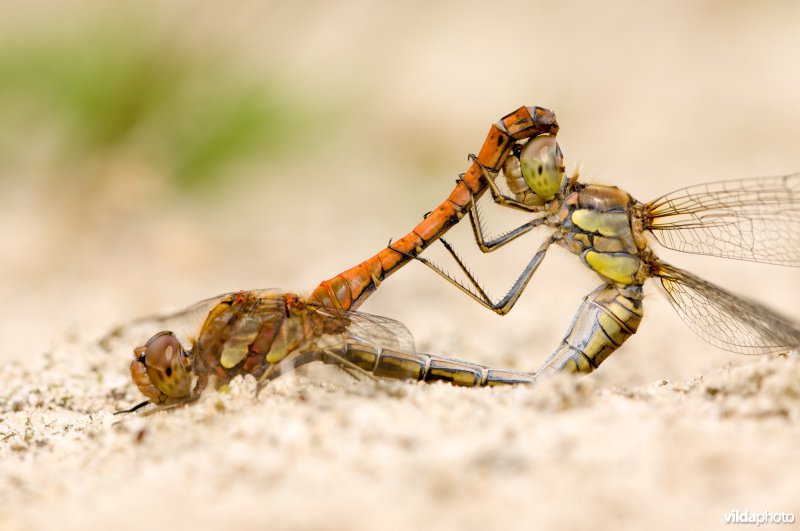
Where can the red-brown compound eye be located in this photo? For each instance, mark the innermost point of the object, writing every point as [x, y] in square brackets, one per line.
[167, 365]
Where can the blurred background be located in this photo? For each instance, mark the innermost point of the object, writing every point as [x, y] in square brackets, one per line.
[154, 154]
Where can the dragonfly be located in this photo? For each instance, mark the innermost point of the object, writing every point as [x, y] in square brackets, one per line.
[755, 219]
[265, 333]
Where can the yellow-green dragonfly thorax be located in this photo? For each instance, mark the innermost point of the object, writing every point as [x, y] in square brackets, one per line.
[599, 227]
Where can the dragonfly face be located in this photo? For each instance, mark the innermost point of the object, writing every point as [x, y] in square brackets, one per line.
[541, 166]
[162, 369]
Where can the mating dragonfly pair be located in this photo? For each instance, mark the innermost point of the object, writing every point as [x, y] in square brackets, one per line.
[265, 333]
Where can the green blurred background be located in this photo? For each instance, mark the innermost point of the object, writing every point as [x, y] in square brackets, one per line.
[153, 154]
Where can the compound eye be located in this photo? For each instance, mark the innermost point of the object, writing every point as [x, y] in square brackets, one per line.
[167, 365]
[542, 166]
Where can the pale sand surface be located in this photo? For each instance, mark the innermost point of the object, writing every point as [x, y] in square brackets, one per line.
[670, 433]
[309, 454]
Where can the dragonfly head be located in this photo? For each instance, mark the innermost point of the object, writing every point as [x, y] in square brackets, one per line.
[162, 369]
[542, 165]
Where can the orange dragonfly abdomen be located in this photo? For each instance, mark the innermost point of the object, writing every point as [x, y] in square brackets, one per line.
[349, 289]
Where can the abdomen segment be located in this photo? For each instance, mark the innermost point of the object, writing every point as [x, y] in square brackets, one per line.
[607, 317]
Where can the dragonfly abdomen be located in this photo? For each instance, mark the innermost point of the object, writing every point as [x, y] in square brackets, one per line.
[350, 288]
[389, 363]
[607, 317]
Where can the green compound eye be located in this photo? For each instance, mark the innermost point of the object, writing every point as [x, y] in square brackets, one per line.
[542, 166]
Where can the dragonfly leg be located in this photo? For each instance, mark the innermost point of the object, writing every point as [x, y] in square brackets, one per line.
[489, 245]
[270, 374]
[492, 244]
[200, 386]
[351, 287]
[137, 407]
[499, 197]
[477, 293]
[202, 382]
[607, 317]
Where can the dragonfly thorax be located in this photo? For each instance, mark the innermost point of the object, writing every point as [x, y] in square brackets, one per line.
[597, 224]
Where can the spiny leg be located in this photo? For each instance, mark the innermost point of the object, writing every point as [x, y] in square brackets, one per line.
[498, 196]
[493, 244]
[351, 287]
[504, 305]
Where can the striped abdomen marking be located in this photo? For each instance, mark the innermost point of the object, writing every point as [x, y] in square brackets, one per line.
[606, 318]
[388, 363]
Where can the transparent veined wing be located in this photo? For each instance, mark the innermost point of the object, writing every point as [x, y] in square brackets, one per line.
[724, 319]
[346, 327]
[754, 219]
[373, 329]
[184, 323]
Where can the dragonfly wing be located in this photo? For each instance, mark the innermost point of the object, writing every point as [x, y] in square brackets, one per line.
[725, 320]
[184, 323]
[374, 329]
[749, 219]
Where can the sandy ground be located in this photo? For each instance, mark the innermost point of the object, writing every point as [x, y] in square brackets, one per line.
[670, 433]
[319, 451]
